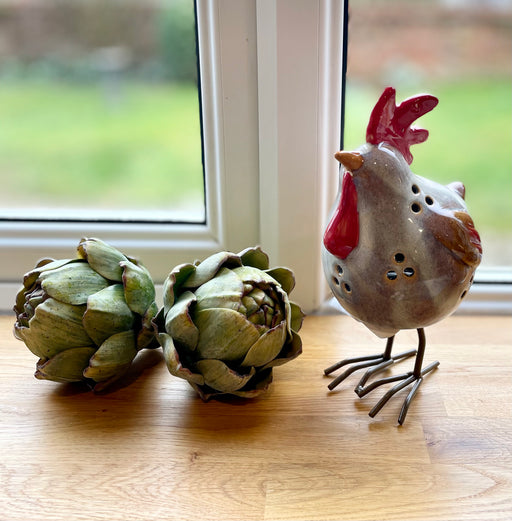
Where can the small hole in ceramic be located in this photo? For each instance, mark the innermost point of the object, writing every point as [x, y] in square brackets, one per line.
[347, 288]
[463, 294]
[391, 275]
[336, 281]
[415, 189]
[339, 269]
[416, 208]
[429, 200]
[399, 257]
[409, 272]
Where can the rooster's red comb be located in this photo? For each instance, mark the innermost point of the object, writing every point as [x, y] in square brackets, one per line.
[391, 124]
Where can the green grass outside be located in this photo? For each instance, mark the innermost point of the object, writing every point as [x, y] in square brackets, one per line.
[470, 141]
[70, 145]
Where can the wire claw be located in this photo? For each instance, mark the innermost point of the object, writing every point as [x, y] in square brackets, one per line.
[378, 363]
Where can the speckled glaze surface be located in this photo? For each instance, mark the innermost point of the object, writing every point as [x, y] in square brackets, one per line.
[400, 250]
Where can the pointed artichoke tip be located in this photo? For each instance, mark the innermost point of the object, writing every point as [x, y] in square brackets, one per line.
[39, 375]
[255, 256]
[81, 250]
[44, 261]
[84, 241]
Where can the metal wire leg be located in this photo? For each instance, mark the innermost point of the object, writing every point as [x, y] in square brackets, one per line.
[414, 377]
[376, 362]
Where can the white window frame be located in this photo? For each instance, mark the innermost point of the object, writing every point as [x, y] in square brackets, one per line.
[271, 88]
[271, 98]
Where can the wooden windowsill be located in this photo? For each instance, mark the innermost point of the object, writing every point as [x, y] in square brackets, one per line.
[151, 449]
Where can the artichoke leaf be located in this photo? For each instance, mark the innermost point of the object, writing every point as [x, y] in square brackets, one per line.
[284, 277]
[31, 277]
[102, 258]
[150, 315]
[179, 324]
[255, 257]
[225, 290]
[55, 327]
[296, 317]
[292, 349]
[139, 289]
[146, 339]
[250, 304]
[112, 357]
[220, 377]
[41, 263]
[258, 385]
[174, 281]
[72, 283]
[107, 313]
[21, 296]
[207, 269]
[287, 308]
[173, 362]
[267, 347]
[254, 275]
[146, 336]
[224, 334]
[66, 366]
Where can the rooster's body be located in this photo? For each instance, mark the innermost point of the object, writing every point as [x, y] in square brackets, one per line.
[400, 250]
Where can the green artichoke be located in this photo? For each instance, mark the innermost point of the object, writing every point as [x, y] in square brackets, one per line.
[227, 321]
[86, 318]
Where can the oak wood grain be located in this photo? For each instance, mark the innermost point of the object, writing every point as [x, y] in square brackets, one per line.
[151, 449]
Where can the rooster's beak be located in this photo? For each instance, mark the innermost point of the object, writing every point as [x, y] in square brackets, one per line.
[350, 160]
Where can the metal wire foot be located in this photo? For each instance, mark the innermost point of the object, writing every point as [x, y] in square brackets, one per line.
[407, 379]
[378, 363]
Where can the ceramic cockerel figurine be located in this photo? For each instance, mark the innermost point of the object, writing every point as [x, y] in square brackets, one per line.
[400, 250]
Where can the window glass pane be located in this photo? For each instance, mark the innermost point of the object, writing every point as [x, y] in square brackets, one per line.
[458, 50]
[99, 111]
